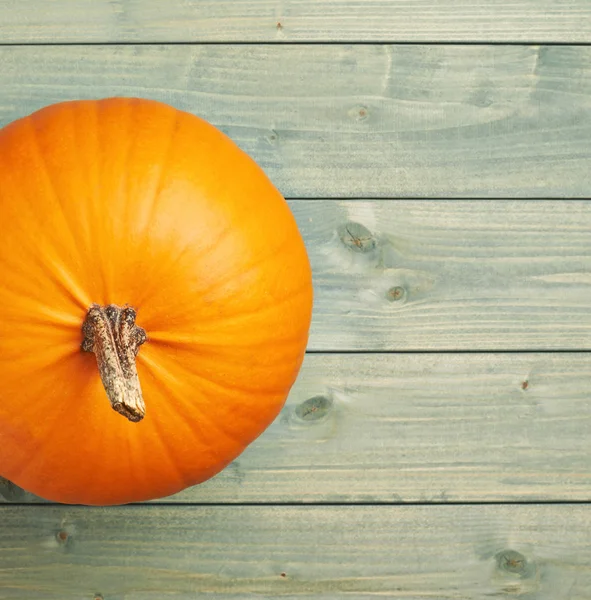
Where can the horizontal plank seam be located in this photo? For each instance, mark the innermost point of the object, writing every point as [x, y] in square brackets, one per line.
[384, 42]
[365, 503]
[308, 504]
[437, 199]
[451, 351]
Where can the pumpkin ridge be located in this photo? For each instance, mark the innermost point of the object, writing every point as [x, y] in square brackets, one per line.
[50, 185]
[92, 171]
[67, 283]
[154, 367]
[157, 283]
[184, 406]
[42, 314]
[59, 272]
[163, 167]
[182, 338]
[52, 430]
[184, 409]
[195, 426]
[244, 271]
[129, 133]
[164, 441]
[211, 382]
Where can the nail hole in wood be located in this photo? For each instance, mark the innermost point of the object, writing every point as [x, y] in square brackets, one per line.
[358, 112]
[361, 113]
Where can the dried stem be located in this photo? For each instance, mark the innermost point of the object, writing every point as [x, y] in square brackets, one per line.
[111, 333]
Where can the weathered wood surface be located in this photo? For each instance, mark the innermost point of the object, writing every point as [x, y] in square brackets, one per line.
[354, 121]
[289, 20]
[411, 553]
[449, 275]
[419, 428]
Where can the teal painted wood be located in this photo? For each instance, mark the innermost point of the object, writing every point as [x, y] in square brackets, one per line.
[449, 275]
[181, 553]
[418, 428]
[288, 20]
[354, 121]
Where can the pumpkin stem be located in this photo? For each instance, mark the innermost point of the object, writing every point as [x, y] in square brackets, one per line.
[111, 333]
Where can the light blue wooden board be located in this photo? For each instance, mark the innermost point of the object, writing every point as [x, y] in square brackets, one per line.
[354, 121]
[290, 20]
[449, 275]
[412, 553]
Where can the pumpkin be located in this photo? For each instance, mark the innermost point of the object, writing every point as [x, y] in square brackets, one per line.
[155, 303]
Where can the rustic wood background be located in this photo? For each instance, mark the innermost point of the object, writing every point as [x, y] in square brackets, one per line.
[437, 157]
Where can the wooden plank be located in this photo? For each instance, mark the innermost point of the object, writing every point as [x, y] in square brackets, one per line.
[449, 275]
[354, 121]
[412, 553]
[302, 20]
[419, 428]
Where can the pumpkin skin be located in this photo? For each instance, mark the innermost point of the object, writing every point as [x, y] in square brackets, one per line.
[132, 202]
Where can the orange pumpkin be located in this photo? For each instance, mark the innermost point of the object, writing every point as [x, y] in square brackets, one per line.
[148, 266]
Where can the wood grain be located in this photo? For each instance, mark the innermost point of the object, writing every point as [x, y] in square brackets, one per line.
[414, 553]
[419, 428]
[289, 20]
[449, 275]
[354, 121]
